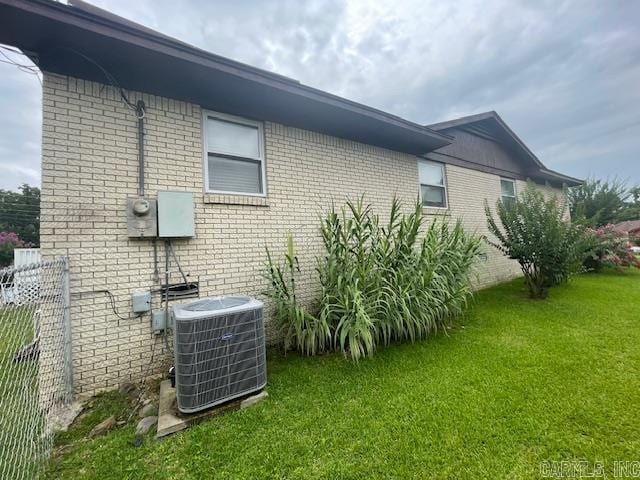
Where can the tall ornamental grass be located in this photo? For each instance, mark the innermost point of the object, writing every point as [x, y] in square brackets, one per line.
[299, 328]
[381, 282]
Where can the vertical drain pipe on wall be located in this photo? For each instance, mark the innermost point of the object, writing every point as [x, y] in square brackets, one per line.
[140, 113]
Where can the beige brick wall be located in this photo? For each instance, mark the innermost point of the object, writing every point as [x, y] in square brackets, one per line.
[90, 168]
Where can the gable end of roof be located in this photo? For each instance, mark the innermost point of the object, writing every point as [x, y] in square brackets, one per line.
[509, 137]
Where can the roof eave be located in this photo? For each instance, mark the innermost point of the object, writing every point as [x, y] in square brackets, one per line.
[381, 128]
[561, 178]
[456, 122]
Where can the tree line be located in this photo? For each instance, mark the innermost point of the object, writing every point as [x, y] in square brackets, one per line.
[19, 221]
[603, 202]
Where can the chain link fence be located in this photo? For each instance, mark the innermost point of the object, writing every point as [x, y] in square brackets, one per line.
[36, 385]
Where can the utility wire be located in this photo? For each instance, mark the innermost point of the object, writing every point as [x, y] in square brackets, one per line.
[24, 69]
[16, 220]
[25, 213]
[9, 219]
[20, 210]
[140, 113]
[19, 215]
[15, 64]
[7, 202]
[12, 61]
[13, 50]
[112, 301]
[19, 205]
[175, 258]
[31, 69]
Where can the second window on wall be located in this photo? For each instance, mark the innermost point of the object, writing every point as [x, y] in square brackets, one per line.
[508, 191]
[234, 155]
[433, 188]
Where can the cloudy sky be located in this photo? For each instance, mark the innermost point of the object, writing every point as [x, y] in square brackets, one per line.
[565, 75]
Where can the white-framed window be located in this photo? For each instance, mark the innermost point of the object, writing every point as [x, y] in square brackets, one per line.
[233, 155]
[508, 191]
[433, 184]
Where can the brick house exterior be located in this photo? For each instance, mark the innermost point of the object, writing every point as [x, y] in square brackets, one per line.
[90, 168]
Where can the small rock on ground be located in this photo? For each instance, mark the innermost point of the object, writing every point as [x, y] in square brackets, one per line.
[103, 427]
[62, 417]
[130, 390]
[145, 425]
[148, 410]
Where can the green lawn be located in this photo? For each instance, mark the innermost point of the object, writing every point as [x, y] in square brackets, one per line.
[515, 383]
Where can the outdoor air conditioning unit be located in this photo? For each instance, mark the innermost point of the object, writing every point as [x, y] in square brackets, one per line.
[219, 351]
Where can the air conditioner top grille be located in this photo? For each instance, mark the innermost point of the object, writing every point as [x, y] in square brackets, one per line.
[215, 306]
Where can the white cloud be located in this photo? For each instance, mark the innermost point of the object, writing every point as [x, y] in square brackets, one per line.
[20, 125]
[560, 73]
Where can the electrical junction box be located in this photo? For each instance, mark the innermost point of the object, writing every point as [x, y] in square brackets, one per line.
[159, 321]
[141, 301]
[142, 218]
[175, 215]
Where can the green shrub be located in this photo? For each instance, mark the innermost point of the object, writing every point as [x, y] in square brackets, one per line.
[610, 248]
[9, 241]
[380, 283]
[535, 232]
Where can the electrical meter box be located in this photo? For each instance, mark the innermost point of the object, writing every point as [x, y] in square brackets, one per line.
[175, 214]
[142, 218]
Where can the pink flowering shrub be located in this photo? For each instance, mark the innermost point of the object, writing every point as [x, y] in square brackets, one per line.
[9, 241]
[610, 248]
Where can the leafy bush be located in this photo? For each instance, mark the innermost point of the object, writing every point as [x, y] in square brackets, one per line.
[380, 283]
[8, 242]
[20, 213]
[610, 248]
[534, 232]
